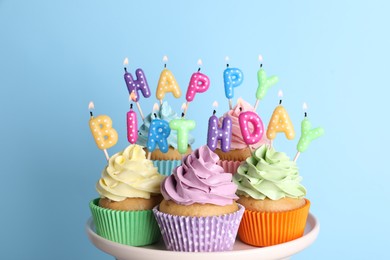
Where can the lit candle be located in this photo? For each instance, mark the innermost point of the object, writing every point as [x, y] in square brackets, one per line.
[250, 117]
[307, 134]
[224, 134]
[233, 78]
[199, 83]
[132, 126]
[136, 85]
[102, 131]
[133, 97]
[158, 133]
[182, 126]
[280, 122]
[167, 83]
[264, 83]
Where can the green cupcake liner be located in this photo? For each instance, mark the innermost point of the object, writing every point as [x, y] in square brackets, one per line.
[133, 228]
[165, 167]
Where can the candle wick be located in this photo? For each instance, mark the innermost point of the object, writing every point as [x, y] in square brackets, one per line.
[155, 115]
[182, 114]
[165, 65]
[227, 65]
[125, 69]
[305, 114]
[261, 65]
[280, 102]
[240, 109]
[90, 112]
[214, 112]
[131, 106]
[198, 69]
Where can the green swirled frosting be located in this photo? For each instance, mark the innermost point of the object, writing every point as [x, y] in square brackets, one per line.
[269, 174]
[166, 113]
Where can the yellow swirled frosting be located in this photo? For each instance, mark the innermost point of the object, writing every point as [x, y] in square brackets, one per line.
[129, 175]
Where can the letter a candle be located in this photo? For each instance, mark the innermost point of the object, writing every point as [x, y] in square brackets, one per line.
[167, 83]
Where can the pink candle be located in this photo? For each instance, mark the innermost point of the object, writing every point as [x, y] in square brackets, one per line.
[249, 117]
[132, 126]
[199, 83]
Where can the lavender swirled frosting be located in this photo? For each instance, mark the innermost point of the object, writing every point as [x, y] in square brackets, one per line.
[200, 180]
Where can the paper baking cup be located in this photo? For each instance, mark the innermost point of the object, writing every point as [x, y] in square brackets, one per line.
[133, 228]
[271, 228]
[165, 167]
[229, 166]
[199, 234]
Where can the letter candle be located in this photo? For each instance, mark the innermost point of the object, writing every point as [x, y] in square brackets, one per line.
[280, 122]
[132, 125]
[140, 84]
[264, 83]
[182, 126]
[250, 117]
[133, 97]
[199, 83]
[158, 133]
[167, 83]
[224, 134]
[233, 78]
[102, 131]
[307, 134]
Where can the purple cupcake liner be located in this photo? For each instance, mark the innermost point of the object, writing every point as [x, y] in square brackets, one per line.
[199, 234]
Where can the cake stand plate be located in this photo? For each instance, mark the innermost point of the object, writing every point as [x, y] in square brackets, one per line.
[240, 250]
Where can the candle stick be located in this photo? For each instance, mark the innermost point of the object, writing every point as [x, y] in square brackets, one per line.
[133, 97]
[307, 134]
[280, 122]
[264, 83]
[167, 83]
[139, 84]
[158, 133]
[224, 134]
[102, 131]
[233, 78]
[132, 126]
[182, 126]
[199, 83]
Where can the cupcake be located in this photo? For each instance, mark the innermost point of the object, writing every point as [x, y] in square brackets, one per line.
[199, 212]
[270, 189]
[165, 162]
[239, 150]
[129, 189]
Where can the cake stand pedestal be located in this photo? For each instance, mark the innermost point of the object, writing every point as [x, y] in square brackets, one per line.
[240, 250]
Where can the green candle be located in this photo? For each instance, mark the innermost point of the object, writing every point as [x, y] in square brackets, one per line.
[308, 134]
[182, 126]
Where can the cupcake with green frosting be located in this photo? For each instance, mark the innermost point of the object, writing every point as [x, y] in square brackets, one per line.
[165, 162]
[270, 189]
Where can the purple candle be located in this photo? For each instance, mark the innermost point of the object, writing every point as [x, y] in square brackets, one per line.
[215, 133]
[138, 84]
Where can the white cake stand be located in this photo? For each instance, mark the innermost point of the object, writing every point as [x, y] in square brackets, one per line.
[240, 250]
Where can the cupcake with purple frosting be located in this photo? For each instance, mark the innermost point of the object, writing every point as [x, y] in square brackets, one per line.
[199, 212]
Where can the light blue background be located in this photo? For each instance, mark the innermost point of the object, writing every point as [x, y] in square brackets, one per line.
[56, 56]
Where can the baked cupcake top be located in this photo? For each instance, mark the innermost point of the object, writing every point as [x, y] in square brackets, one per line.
[237, 141]
[129, 175]
[200, 180]
[166, 113]
[269, 174]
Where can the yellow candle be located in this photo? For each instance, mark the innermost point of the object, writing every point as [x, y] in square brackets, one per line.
[101, 127]
[167, 83]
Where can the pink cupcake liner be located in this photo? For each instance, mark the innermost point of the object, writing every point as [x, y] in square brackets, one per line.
[199, 234]
[229, 166]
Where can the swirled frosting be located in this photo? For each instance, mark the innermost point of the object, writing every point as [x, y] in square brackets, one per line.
[166, 113]
[237, 141]
[200, 180]
[129, 175]
[269, 174]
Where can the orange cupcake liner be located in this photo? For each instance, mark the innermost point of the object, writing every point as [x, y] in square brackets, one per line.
[272, 228]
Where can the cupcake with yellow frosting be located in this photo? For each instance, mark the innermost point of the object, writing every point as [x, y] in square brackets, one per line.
[270, 189]
[129, 188]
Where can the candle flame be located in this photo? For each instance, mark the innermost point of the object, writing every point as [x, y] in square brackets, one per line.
[184, 106]
[280, 93]
[91, 105]
[304, 107]
[260, 58]
[133, 96]
[239, 101]
[165, 58]
[125, 61]
[200, 62]
[155, 107]
[215, 104]
[227, 58]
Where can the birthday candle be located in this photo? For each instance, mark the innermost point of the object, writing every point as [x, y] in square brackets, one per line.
[199, 83]
[136, 85]
[280, 122]
[307, 133]
[132, 126]
[233, 77]
[167, 83]
[264, 83]
[182, 126]
[224, 134]
[249, 117]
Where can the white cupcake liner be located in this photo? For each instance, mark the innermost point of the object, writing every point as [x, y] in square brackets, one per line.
[199, 234]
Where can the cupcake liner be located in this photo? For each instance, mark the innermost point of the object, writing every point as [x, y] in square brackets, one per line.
[134, 228]
[229, 166]
[271, 228]
[165, 167]
[199, 234]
